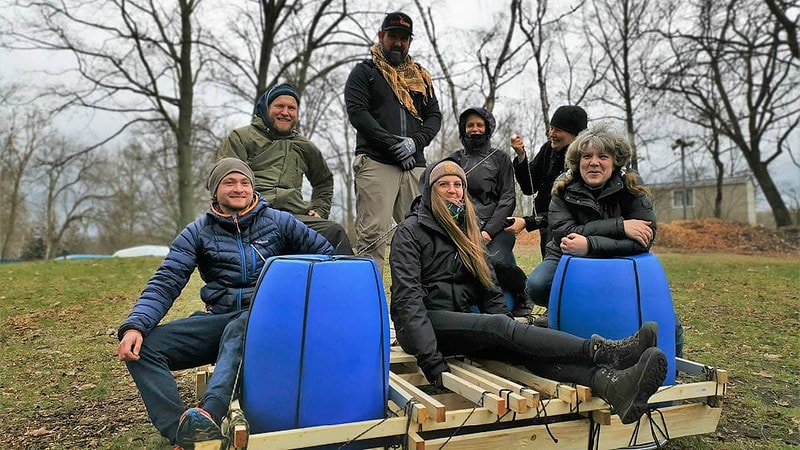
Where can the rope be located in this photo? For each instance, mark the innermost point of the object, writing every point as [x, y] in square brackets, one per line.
[594, 434]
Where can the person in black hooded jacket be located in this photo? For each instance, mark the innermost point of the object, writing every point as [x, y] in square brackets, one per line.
[439, 271]
[491, 188]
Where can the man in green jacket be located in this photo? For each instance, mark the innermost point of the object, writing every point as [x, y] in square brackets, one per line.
[279, 157]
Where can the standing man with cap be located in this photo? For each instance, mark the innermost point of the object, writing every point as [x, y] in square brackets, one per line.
[537, 177]
[391, 103]
[238, 219]
[279, 157]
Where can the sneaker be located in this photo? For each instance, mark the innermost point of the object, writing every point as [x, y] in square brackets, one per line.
[623, 353]
[196, 425]
[627, 391]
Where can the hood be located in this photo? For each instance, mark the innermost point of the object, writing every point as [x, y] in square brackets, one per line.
[471, 143]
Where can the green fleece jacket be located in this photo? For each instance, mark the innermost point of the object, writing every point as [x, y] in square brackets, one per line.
[279, 162]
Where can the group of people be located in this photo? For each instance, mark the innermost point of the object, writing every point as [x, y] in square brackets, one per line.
[452, 253]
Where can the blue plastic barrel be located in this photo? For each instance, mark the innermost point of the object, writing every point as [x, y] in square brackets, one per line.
[316, 349]
[612, 297]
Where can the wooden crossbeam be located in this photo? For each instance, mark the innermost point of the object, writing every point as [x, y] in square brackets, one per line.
[552, 388]
[402, 398]
[530, 394]
[514, 401]
[474, 393]
[434, 409]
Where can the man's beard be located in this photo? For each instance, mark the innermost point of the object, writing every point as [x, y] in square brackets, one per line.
[395, 57]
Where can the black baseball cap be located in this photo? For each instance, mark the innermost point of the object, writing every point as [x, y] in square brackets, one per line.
[397, 21]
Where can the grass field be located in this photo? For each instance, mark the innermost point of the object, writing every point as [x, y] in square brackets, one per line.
[61, 386]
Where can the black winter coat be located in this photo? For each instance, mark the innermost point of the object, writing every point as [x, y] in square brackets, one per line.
[539, 175]
[599, 217]
[379, 117]
[490, 179]
[428, 273]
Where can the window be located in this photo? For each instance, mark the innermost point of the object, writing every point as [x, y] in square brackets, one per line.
[683, 197]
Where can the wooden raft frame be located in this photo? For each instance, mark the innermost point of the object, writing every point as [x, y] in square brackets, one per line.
[496, 405]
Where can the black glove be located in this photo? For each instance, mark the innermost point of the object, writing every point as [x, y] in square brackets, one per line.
[403, 149]
[408, 163]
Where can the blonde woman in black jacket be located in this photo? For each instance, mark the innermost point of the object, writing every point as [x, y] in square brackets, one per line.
[439, 271]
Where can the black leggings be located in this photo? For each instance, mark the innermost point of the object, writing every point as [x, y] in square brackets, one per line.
[548, 353]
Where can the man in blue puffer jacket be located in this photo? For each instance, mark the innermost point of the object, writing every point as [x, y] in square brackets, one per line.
[228, 246]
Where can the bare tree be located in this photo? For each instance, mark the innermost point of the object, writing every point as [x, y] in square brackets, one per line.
[135, 58]
[733, 73]
[20, 143]
[297, 41]
[622, 30]
[70, 194]
[539, 29]
[780, 9]
[430, 31]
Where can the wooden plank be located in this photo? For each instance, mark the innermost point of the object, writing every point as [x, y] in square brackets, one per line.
[404, 399]
[434, 409]
[397, 355]
[552, 388]
[328, 434]
[514, 401]
[530, 394]
[201, 377]
[687, 391]
[474, 393]
[682, 420]
[417, 379]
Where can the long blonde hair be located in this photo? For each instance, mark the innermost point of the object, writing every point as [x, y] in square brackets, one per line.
[468, 243]
[605, 138]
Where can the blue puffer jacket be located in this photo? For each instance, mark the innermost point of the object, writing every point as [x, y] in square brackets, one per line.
[229, 257]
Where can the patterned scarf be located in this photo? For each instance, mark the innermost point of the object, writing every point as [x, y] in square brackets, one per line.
[456, 211]
[406, 78]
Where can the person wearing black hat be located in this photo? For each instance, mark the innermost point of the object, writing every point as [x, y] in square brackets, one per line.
[392, 105]
[238, 217]
[280, 157]
[537, 177]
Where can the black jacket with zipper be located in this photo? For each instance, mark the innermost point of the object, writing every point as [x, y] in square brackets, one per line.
[379, 117]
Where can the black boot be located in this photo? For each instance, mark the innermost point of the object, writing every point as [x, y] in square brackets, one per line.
[624, 353]
[523, 305]
[627, 391]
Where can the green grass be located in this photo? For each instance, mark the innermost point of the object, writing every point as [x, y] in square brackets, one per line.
[61, 386]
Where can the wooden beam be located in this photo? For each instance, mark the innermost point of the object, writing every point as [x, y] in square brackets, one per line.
[328, 434]
[552, 388]
[402, 398]
[474, 393]
[514, 401]
[530, 394]
[434, 409]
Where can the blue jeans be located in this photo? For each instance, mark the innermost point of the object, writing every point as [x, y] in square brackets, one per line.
[549, 353]
[541, 280]
[199, 339]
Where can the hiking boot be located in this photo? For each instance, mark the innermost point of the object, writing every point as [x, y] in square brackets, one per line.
[624, 353]
[541, 321]
[627, 391]
[523, 305]
[196, 425]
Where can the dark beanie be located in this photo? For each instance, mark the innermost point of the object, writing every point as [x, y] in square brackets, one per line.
[447, 167]
[570, 118]
[281, 89]
[222, 169]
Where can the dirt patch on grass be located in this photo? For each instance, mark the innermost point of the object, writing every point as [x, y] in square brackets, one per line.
[715, 235]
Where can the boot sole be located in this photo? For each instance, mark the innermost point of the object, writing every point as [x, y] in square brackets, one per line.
[654, 373]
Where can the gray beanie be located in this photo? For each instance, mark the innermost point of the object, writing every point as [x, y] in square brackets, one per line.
[447, 167]
[222, 169]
